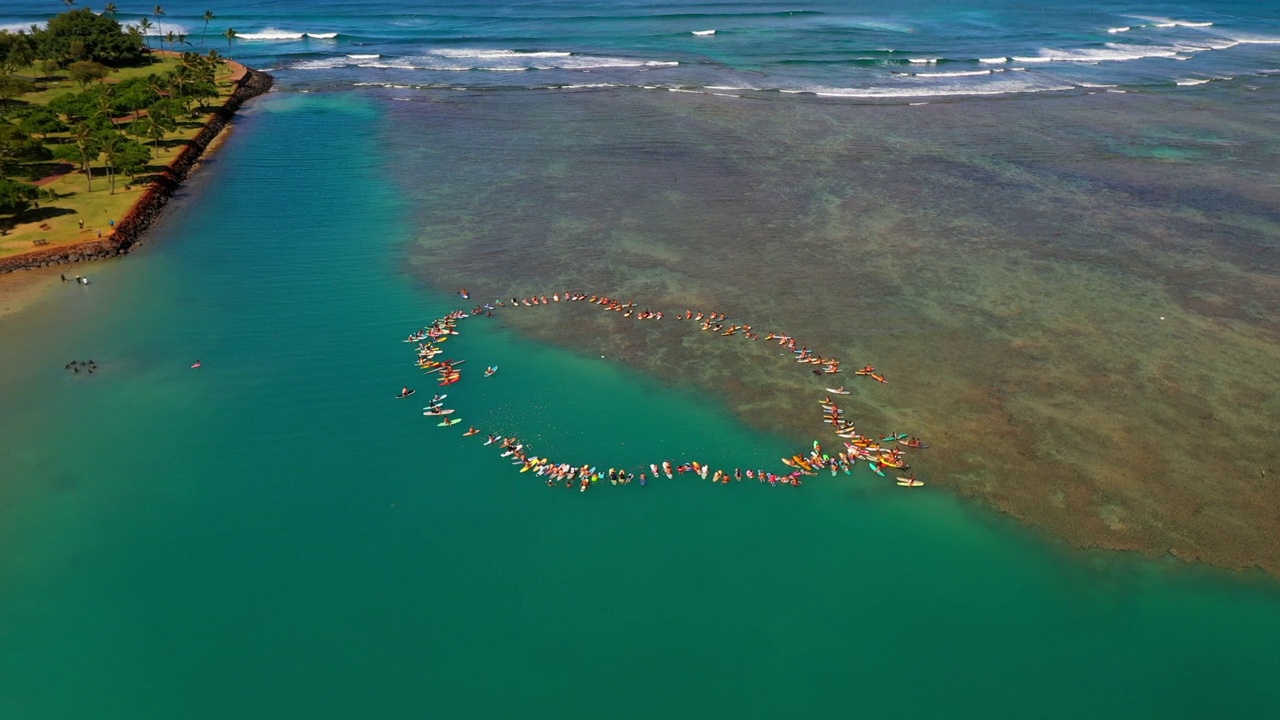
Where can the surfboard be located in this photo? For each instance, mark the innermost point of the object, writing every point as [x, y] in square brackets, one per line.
[447, 422]
[406, 394]
[439, 412]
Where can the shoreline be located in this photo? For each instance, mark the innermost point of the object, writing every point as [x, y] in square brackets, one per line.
[133, 225]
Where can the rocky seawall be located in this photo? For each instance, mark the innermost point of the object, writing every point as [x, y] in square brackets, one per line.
[130, 229]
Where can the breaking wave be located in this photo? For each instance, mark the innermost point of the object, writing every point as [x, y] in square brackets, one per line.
[276, 34]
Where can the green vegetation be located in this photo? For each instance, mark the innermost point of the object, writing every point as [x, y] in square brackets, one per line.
[83, 35]
[81, 100]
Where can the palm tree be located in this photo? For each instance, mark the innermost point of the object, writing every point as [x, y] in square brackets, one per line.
[109, 10]
[171, 37]
[159, 12]
[85, 144]
[208, 15]
[104, 102]
[110, 144]
[145, 127]
[144, 25]
[229, 34]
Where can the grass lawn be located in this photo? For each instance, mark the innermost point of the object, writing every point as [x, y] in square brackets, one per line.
[57, 222]
[63, 86]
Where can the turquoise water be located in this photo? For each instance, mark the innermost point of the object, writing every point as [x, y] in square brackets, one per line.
[275, 535]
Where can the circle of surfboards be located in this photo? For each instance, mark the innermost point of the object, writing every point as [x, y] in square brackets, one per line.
[879, 454]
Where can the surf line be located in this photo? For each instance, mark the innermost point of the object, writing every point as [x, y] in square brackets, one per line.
[879, 454]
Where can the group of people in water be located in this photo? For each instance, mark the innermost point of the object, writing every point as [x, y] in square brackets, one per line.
[879, 453]
[76, 366]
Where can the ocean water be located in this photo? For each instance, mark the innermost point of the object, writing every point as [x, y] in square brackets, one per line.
[917, 48]
[275, 535]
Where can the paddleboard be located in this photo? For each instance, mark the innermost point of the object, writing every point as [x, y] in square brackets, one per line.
[406, 394]
[447, 422]
[439, 412]
[909, 482]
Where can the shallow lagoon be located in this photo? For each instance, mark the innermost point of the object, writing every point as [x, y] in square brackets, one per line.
[275, 534]
[1074, 298]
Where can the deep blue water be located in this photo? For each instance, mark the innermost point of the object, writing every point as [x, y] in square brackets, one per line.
[913, 48]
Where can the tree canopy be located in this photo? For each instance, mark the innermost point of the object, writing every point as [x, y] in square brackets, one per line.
[17, 50]
[85, 72]
[16, 196]
[17, 148]
[83, 35]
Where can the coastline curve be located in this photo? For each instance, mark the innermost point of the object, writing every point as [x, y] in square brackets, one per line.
[132, 227]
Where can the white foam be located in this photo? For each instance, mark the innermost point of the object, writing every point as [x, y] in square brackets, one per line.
[271, 34]
[704, 33]
[1210, 45]
[1257, 40]
[993, 61]
[960, 73]
[364, 57]
[1115, 30]
[164, 27]
[994, 87]
[1190, 81]
[21, 26]
[488, 54]
[322, 36]
[1113, 52]
[321, 64]
[456, 60]
[1164, 22]
[923, 61]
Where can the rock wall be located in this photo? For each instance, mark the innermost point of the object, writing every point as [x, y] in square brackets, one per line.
[130, 229]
